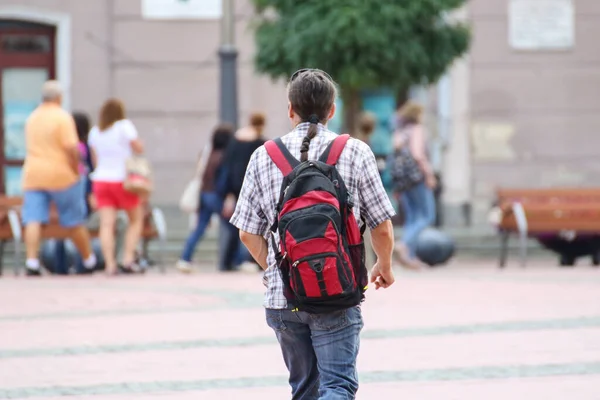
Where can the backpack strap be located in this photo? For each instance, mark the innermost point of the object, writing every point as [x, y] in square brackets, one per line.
[281, 156]
[334, 149]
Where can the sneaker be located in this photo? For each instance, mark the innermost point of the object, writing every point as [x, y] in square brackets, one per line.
[33, 272]
[184, 266]
[90, 264]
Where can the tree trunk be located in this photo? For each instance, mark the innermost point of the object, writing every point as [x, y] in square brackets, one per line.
[352, 108]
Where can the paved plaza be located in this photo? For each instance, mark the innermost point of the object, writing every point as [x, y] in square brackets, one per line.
[467, 331]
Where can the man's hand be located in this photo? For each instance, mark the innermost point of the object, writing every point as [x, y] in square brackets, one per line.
[382, 275]
[382, 238]
[431, 181]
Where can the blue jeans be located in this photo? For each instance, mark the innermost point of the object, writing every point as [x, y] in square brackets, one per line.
[320, 351]
[419, 213]
[210, 203]
[61, 261]
[69, 203]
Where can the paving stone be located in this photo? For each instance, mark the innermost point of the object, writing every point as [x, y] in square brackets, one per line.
[469, 331]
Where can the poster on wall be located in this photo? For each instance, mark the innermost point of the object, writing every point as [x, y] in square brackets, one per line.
[15, 116]
[181, 9]
[382, 104]
[541, 24]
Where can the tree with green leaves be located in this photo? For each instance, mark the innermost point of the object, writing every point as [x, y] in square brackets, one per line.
[362, 44]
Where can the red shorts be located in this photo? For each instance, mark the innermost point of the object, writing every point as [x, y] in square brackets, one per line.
[114, 195]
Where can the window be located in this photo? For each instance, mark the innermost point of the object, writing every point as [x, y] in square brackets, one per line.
[20, 43]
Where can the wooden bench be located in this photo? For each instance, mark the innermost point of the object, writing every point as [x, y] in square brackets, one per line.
[9, 222]
[534, 212]
[11, 229]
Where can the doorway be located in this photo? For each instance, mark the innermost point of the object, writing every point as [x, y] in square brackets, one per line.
[27, 60]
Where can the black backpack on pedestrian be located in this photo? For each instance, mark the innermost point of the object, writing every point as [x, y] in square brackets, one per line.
[403, 167]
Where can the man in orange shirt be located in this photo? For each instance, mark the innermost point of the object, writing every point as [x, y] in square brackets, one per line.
[51, 175]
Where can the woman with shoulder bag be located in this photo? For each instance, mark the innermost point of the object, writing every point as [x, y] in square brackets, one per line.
[210, 201]
[413, 175]
[114, 145]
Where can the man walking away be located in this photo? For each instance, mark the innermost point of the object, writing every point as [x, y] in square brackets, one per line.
[305, 192]
[51, 175]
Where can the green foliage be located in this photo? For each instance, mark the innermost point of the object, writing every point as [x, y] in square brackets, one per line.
[361, 43]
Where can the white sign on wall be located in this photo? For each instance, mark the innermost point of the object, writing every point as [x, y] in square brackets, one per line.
[181, 9]
[541, 24]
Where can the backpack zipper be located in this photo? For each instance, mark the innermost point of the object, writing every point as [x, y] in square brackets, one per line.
[314, 257]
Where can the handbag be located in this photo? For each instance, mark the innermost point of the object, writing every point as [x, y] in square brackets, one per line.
[190, 198]
[139, 176]
[403, 167]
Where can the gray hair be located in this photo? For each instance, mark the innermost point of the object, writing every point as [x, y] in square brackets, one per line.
[51, 91]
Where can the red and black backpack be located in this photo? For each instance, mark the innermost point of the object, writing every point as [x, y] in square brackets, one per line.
[321, 254]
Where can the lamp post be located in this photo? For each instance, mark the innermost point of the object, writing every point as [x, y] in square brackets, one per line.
[228, 65]
[228, 95]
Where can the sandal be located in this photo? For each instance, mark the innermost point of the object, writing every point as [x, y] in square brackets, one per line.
[126, 270]
[132, 268]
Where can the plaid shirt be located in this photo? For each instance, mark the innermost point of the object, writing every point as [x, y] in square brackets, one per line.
[255, 209]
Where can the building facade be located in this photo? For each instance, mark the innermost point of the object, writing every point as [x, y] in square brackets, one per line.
[165, 70]
[515, 114]
[529, 95]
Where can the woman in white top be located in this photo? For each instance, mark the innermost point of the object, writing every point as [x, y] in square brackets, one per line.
[112, 142]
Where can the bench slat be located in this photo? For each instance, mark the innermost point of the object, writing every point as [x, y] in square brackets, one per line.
[552, 210]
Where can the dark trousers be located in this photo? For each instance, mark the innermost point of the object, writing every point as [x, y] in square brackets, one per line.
[232, 252]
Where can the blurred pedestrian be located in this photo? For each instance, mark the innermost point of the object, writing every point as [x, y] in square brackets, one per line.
[51, 175]
[210, 201]
[112, 142]
[367, 122]
[417, 199]
[82, 124]
[232, 253]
